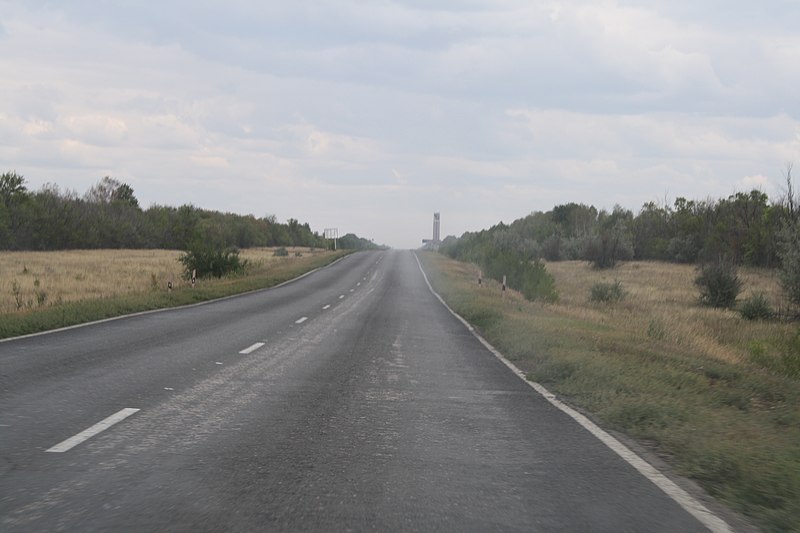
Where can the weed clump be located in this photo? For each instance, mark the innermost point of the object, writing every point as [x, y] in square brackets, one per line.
[211, 263]
[16, 290]
[607, 292]
[281, 252]
[719, 283]
[756, 308]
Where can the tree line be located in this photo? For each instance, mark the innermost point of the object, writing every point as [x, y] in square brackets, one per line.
[718, 235]
[746, 228]
[108, 215]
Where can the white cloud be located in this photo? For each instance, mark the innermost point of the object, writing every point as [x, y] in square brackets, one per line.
[760, 182]
[377, 114]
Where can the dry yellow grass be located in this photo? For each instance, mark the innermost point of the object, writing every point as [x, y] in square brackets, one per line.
[74, 275]
[661, 301]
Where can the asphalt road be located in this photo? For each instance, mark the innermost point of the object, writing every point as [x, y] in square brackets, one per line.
[360, 403]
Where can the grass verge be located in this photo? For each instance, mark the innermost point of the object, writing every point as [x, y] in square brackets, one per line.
[259, 275]
[713, 395]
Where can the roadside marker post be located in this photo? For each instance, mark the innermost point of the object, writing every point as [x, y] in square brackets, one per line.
[194, 277]
[480, 278]
[504, 287]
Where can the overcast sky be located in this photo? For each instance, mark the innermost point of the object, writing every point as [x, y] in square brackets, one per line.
[371, 115]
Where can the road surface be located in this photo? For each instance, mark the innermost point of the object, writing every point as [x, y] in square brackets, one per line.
[350, 399]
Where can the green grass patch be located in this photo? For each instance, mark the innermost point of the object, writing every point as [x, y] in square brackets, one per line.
[72, 313]
[733, 426]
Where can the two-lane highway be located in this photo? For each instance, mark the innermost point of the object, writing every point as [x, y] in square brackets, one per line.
[350, 399]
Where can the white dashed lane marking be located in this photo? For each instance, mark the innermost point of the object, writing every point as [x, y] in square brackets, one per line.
[90, 432]
[327, 307]
[252, 348]
[301, 320]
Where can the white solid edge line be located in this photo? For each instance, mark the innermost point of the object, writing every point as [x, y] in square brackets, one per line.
[88, 433]
[680, 496]
[253, 348]
[301, 320]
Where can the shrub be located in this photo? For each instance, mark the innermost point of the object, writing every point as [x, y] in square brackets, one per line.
[281, 252]
[538, 283]
[756, 308]
[719, 283]
[211, 263]
[531, 278]
[607, 292]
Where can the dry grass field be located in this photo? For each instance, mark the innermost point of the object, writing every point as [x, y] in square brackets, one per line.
[715, 396]
[661, 303]
[31, 280]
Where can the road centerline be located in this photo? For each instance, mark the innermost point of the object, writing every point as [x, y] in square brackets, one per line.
[252, 348]
[90, 432]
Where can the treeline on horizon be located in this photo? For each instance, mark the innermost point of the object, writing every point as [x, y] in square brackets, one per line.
[745, 228]
[108, 215]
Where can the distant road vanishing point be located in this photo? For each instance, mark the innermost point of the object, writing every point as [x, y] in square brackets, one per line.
[350, 399]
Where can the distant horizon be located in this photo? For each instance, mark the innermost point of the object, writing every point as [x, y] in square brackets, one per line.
[443, 236]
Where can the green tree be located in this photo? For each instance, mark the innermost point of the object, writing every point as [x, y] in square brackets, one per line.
[13, 199]
[651, 232]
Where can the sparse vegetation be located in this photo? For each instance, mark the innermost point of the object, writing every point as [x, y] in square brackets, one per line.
[790, 263]
[82, 285]
[501, 260]
[714, 394]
